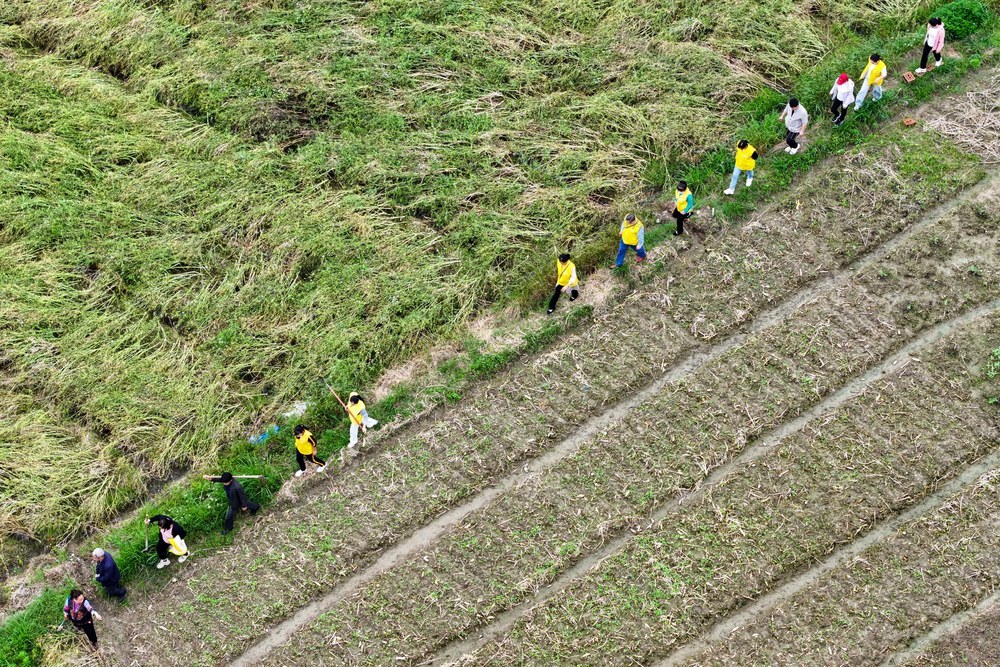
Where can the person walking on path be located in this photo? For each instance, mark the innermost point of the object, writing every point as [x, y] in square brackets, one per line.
[933, 43]
[107, 575]
[796, 120]
[359, 418]
[305, 450]
[171, 540]
[632, 235]
[842, 95]
[238, 501]
[683, 206]
[81, 614]
[746, 160]
[871, 78]
[565, 279]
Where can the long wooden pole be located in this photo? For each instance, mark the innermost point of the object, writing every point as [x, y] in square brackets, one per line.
[214, 477]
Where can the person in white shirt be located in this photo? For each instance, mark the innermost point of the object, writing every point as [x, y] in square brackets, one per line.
[933, 43]
[796, 119]
[842, 95]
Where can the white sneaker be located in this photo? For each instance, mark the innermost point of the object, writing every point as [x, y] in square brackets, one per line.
[299, 473]
[938, 63]
[749, 182]
[321, 469]
[919, 70]
[728, 191]
[181, 559]
[163, 563]
[793, 151]
[788, 149]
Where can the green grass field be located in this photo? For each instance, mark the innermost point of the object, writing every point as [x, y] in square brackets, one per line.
[207, 206]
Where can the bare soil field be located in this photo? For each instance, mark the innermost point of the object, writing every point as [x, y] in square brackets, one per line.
[860, 613]
[820, 488]
[966, 638]
[685, 314]
[665, 447]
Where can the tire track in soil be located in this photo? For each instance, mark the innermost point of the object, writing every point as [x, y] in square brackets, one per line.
[950, 625]
[505, 621]
[785, 592]
[691, 362]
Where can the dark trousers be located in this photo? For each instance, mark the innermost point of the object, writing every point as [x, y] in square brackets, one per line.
[574, 293]
[791, 137]
[301, 458]
[162, 549]
[115, 590]
[680, 218]
[927, 51]
[839, 111]
[88, 629]
[233, 511]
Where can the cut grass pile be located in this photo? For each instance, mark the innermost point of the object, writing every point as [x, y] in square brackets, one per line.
[819, 488]
[527, 409]
[500, 556]
[169, 284]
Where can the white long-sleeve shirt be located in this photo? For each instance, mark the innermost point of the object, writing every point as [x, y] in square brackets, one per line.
[843, 92]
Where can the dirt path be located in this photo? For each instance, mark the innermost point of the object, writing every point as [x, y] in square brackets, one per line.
[430, 477]
[765, 444]
[426, 535]
[688, 653]
[953, 625]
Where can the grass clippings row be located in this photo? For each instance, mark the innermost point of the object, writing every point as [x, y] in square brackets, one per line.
[819, 488]
[289, 556]
[171, 285]
[503, 554]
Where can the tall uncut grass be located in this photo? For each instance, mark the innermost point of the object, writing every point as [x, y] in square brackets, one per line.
[276, 191]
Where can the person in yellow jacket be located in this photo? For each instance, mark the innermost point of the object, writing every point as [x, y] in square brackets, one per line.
[305, 450]
[683, 206]
[746, 160]
[565, 279]
[871, 78]
[359, 418]
[633, 235]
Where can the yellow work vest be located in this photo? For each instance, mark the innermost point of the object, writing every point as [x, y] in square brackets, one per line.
[630, 233]
[304, 443]
[354, 410]
[681, 199]
[564, 274]
[743, 160]
[876, 72]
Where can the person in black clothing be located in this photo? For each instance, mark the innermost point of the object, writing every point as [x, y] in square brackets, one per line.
[171, 540]
[238, 501]
[81, 614]
[107, 574]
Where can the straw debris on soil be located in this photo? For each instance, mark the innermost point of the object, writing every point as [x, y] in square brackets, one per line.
[819, 488]
[421, 471]
[862, 612]
[503, 554]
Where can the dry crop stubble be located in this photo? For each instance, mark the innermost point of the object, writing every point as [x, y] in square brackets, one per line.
[377, 503]
[502, 555]
[968, 638]
[862, 612]
[819, 488]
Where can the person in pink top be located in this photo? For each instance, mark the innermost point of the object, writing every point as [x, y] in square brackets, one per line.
[933, 42]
